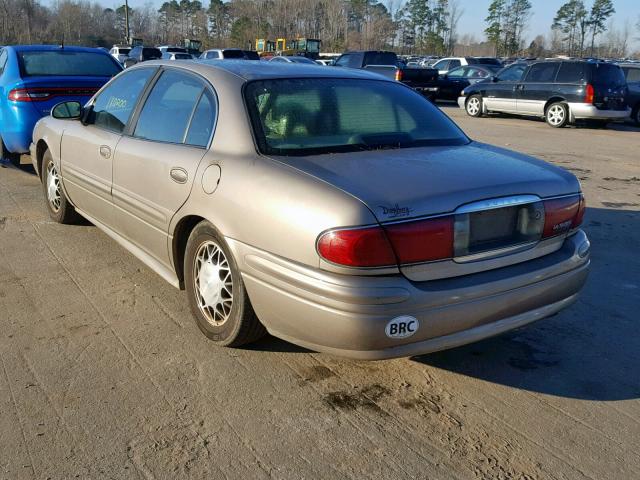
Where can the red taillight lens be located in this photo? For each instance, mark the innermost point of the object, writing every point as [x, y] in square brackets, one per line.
[410, 242]
[562, 214]
[398, 75]
[361, 247]
[40, 94]
[422, 240]
[588, 94]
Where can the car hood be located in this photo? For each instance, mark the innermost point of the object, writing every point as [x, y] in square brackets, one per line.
[413, 182]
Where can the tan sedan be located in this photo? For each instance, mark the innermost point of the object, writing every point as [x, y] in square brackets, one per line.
[332, 208]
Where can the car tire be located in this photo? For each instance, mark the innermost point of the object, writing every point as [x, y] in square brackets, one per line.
[557, 115]
[473, 106]
[58, 205]
[217, 294]
[635, 115]
[14, 158]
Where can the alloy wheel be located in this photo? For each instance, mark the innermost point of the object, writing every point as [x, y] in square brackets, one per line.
[53, 187]
[556, 115]
[213, 283]
[473, 106]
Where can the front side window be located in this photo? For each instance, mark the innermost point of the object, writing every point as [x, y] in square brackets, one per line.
[169, 108]
[67, 63]
[454, 64]
[441, 65]
[114, 105]
[512, 74]
[315, 116]
[542, 72]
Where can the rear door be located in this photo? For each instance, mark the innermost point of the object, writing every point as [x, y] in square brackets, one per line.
[87, 150]
[537, 87]
[155, 164]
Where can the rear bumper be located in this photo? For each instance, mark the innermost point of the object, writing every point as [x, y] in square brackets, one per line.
[586, 111]
[348, 315]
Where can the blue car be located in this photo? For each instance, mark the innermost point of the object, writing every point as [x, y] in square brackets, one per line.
[34, 78]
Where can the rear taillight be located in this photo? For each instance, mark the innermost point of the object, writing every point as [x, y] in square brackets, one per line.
[398, 75]
[589, 94]
[403, 243]
[39, 94]
[359, 247]
[422, 240]
[562, 215]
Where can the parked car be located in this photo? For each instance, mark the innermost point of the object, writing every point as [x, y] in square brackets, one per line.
[449, 63]
[334, 208]
[424, 80]
[176, 56]
[561, 92]
[292, 59]
[34, 78]
[251, 55]
[142, 54]
[223, 54]
[120, 52]
[451, 84]
[172, 49]
[632, 76]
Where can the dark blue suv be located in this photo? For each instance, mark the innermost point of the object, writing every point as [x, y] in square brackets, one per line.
[34, 78]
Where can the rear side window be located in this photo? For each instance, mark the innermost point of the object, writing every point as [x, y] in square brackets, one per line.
[202, 122]
[632, 74]
[213, 55]
[233, 54]
[542, 72]
[572, 72]
[169, 108]
[66, 63]
[454, 64]
[607, 75]
[113, 106]
[3, 60]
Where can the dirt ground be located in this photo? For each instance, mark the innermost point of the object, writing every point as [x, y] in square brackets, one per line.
[105, 375]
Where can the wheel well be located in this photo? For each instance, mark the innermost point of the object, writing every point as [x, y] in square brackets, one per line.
[180, 238]
[551, 101]
[41, 147]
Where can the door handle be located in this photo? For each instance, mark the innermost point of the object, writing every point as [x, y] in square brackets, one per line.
[105, 151]
[178, 175]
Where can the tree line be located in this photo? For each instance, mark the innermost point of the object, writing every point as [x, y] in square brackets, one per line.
[580, 27]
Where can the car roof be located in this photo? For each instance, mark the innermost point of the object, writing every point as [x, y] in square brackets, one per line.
[252, 70]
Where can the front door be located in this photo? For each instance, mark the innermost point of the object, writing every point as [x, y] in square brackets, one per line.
[500, 95]
[87, 150]
[155, 166]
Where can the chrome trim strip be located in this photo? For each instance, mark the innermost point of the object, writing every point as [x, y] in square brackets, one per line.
[511, 249]
[494, 203]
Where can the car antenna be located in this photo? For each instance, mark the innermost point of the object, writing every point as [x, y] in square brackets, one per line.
[62, 41]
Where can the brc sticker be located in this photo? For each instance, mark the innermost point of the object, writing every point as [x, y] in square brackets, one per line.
[402, 327]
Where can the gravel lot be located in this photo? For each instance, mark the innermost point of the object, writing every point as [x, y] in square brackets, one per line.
[105, 375]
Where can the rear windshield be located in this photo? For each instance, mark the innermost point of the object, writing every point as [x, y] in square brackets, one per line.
[233, 54]
[251, 55]
[380, 58]
[324, 115]
[182, 56]
[149, 53]
[607, 74]
[123, 51]
[176, 50]
[51, 63]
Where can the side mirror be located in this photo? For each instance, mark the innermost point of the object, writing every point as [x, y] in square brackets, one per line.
[129, 62]
[67, 111]
[494, 79]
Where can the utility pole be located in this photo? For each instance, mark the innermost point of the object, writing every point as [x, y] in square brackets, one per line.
[126, 21]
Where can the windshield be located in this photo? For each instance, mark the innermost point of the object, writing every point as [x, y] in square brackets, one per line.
[323, 115]
[65, 63]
